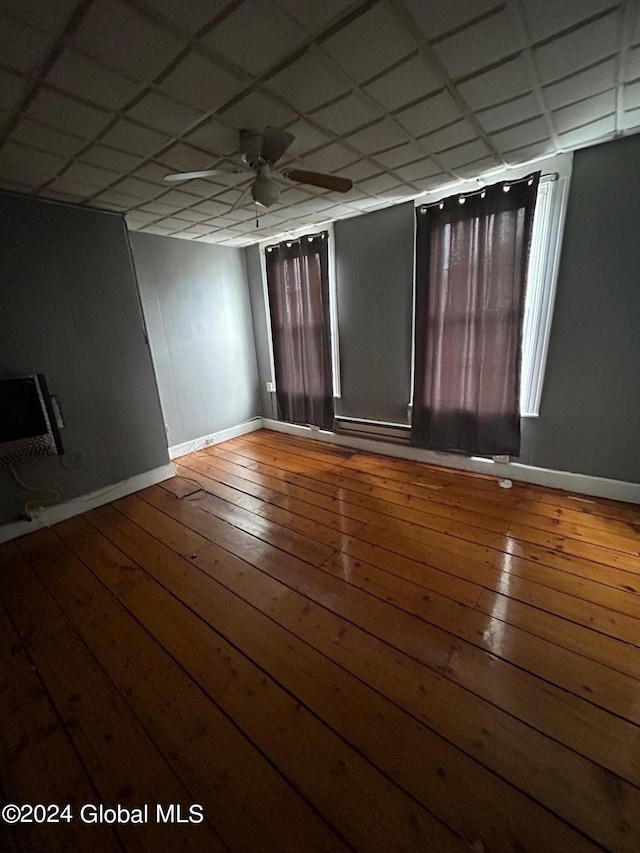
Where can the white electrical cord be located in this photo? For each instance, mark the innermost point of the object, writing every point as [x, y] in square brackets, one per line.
[47, 497]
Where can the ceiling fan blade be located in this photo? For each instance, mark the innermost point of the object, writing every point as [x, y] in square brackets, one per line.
[189, 176]
[317, 179]
[274, 143]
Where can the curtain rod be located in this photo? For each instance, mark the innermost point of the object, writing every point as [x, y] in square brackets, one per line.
[552, 176]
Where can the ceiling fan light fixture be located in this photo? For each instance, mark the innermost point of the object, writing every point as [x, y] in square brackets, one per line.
[265, 191]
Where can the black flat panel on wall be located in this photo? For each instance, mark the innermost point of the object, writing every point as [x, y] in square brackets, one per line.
[374, 269]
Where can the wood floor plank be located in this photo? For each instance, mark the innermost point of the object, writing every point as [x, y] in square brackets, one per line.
[468, 722]
[410, 515]
[34, 746]
[331, 775]
[206, 747]
[416, 761]
[330, 650]
[103, 730]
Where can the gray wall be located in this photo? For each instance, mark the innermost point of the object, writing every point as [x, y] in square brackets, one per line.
[196, 304]
[69, 309]
[374, 277]
[590, 413]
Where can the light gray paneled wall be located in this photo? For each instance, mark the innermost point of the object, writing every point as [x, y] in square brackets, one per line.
[374, 276]
[196, 304]
[69, 308]
[590, 413]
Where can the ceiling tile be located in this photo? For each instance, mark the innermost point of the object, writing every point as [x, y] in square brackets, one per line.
[307, 137]
[463, 154]
[631, 120]
[432, 182]
[401, 154]
[429, 114]
[585, 111]
[633, 64]
[530, 152]
[589, 133]
[362, 169]
[196, 80]
[378, 184]
[435, 19]
[12, 89]
[109, 158]
[594, 80]
[164, 114]
[567, 54]
[447, 137]
[328, 159]
[125, 41]
[135, 139]
[83, 173]
[40, 136]
[546, 17]
[23, 48]
[347, 114]
[256, 111]
[211, 208]
[203, 189]
[308, 82]
[63, 113]
[420, 169]
[190, 16]
[159, 208]
[477, 167]
[477, 46]
[500, 84]
[139, 217]
[510, 113]
[186, 159]
[256, 36]
[215, 137]
[384, 134]
[632, 96]
[75, 188]
[139, 189]
[521, 134]
[177, 199]
[369, 44]
[80, 76]
[407, 82]
[155, 229]
[48, 16]
[114, 198]
[172, 224]
[28, 166]
[313, 15]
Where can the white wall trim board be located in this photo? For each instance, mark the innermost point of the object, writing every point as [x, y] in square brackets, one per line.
[60, 512]
[214, 438]
[583, 484]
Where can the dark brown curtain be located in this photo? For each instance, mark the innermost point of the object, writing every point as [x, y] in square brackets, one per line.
[298, 287]
[471, 265]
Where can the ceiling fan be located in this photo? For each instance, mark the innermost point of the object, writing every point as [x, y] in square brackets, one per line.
[260, 152]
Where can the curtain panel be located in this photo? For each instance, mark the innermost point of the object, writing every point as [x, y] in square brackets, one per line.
[298, 289]
[472, 254]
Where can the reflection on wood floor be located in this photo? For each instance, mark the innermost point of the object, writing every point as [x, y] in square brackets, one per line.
[327, 650]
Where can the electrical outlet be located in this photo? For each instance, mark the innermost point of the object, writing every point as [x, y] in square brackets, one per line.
[271, 387]
[501, 458]
[209, 440]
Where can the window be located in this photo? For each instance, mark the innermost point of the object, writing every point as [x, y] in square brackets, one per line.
[541, 287]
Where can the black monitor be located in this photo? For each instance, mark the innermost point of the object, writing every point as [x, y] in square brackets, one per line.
[28, 427]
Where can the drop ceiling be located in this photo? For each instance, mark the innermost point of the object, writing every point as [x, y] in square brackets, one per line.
[99, 99]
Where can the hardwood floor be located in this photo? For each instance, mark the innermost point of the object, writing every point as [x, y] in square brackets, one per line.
[327, 650]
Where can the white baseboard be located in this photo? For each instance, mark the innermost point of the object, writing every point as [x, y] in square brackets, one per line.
[59, 512]
[583, 484]
[214, 438]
